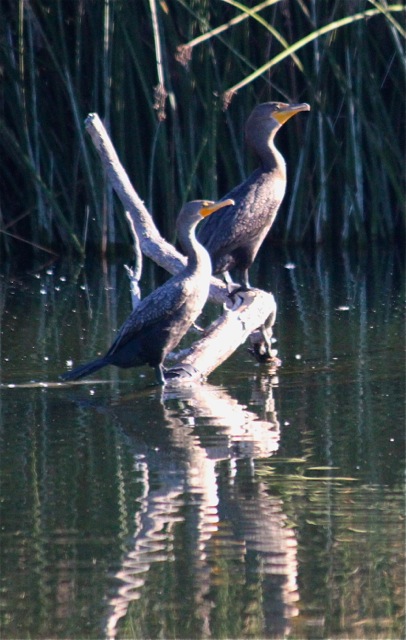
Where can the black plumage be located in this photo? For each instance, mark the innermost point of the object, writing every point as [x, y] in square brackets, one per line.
[159, 322]
[234, 236]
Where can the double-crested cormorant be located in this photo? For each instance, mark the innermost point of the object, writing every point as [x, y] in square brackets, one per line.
[158, 323]
[234, 237]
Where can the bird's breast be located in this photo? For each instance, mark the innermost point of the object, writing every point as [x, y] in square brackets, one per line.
[263, 197]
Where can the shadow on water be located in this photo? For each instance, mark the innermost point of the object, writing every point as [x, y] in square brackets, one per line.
[255, 505]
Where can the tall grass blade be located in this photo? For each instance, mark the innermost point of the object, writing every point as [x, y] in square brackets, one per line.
[337, 24]
[185, 49]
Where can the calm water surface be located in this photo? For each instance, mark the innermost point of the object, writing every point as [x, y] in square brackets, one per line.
[262, 504]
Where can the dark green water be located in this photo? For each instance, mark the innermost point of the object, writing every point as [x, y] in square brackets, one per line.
[258, 505]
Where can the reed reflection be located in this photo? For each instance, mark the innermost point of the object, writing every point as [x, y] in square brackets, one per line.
[201, 479]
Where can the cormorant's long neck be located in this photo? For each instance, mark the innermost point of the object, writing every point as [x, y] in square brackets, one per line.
[264, 146]
[197, 255]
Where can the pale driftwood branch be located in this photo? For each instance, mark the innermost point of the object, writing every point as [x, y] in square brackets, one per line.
[134, 274]
[226, 333]
[137, 248]
[151, 242]
[252, 310]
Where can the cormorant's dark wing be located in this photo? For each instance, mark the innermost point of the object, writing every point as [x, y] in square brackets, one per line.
[215, 230]
[241, 223]
[162, 303]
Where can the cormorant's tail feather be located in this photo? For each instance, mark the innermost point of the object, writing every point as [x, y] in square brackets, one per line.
[84, 370]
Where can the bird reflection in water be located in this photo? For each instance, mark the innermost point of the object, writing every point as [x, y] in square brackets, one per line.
[228, 512]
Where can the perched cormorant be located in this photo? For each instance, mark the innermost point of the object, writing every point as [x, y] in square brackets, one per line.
[234, 237]
[158, 323]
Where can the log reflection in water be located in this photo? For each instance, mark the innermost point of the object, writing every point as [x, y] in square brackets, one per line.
[204, 425]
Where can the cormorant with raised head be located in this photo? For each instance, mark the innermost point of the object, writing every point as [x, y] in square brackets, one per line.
[158, 323]
[234, 236]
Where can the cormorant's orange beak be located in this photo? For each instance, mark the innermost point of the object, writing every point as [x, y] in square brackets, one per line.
[284, 114]
[210, 207]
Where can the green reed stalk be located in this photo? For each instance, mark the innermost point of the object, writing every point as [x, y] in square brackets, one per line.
[303, 42]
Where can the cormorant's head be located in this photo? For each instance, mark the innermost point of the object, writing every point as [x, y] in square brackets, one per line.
[195, 210]
[268, 117]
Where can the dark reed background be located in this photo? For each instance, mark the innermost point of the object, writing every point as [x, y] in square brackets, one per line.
[164, 107]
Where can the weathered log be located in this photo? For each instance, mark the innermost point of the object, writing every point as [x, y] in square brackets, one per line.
[243, 316]
[226, 333]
